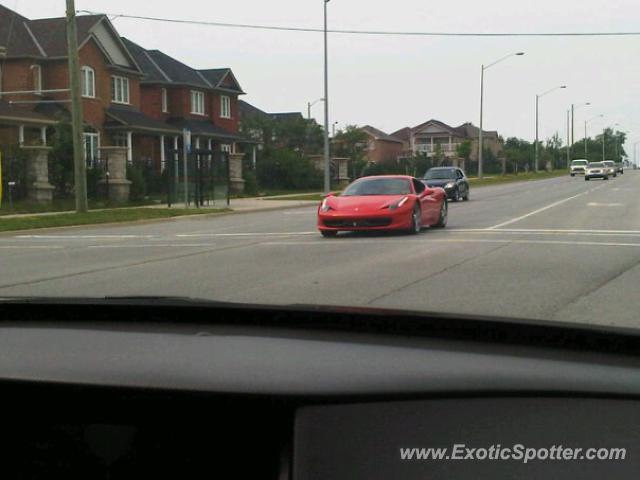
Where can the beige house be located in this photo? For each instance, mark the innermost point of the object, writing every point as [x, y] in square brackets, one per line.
[433, 136]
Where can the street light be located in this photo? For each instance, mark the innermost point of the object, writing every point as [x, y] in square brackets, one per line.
[538, 97]
[311, 104]
[586, 122]
[484, 67]
[574, 108]
[327, 175]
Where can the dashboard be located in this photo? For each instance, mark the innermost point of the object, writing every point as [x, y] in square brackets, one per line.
[131, 388]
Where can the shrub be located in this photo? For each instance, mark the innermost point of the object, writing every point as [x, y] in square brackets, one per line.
[135, 175]
[288, 170]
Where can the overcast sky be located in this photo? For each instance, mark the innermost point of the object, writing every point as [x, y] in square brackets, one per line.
[392, 82]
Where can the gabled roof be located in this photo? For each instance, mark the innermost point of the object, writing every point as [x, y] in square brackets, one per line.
[437, 123]
[469, 130]
[152, 73]
[379, 134]
[403, 134]
[51, 33]
[222, 78]
[158, 67]
[247, 110]
[47, 37]
[15, 36]
[286, 116]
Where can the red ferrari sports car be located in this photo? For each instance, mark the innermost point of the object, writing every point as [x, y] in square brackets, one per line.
[386, 202]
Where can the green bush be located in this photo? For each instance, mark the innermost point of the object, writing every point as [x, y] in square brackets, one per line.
[135, 175]
[14, 169]
[385, 168]
[288, 170]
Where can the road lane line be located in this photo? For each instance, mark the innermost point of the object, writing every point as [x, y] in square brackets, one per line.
[461, 240]
[82, 237]
[253, 234]
[539, 210]
[31, 247]
[155, 245]
[543, 231]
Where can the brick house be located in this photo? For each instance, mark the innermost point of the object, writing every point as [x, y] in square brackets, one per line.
[381, 147]
[432, 135]
[137, 99]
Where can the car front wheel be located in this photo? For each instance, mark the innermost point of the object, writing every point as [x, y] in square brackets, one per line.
[416, 221]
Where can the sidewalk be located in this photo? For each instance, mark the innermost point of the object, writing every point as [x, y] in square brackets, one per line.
[250, 204]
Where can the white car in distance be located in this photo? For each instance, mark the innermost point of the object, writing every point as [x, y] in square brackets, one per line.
[578, 167]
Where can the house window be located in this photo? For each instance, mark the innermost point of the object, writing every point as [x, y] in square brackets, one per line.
[225, 106]
[91, 146]
[119, 89]
[88, 82]
[37, 79]
[225, 147]
[197, 102]
[165, 100]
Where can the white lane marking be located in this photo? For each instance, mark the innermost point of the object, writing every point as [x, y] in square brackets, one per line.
[595, 204]
[539, 210]
[154, 245]
[458, 240]
[82, 237]
[32, 247]
[254, 234]
[543, 231]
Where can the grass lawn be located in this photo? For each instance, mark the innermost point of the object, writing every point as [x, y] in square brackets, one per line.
[63, 206]
[102, 216]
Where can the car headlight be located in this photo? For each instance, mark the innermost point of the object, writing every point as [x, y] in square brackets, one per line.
[324, 206]
[398, 204]
[450, 185]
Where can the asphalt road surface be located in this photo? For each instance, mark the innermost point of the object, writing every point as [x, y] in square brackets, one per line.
[560, 249]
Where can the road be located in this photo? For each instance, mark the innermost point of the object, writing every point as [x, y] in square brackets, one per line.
[559, 249]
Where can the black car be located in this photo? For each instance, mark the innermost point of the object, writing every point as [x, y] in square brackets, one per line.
[452, 179]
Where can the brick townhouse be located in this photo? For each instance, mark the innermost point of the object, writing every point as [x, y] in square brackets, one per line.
[132, 98]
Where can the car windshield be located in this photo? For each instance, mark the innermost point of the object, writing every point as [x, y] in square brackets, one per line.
[224, 151]
[378, 186]
[440, 174]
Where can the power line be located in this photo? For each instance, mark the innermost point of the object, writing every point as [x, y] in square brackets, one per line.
[366, 32]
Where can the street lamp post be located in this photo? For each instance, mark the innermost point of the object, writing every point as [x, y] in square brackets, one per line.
[483, 68]
[573, 109]
[311, 104]
[538, 97]
[327, 175]
[586, 122]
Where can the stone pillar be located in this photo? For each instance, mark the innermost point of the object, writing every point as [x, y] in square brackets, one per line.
[39, 190]
[236, 182]
[114, 184]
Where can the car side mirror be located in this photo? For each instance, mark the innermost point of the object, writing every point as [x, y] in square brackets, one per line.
[330, 194]
[426, 192]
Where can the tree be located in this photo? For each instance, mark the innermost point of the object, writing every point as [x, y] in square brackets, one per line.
[61, 173]
[351, 143]
[463, 150]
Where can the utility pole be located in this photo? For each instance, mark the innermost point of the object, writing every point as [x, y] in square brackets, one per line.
[569, 133]
[480, 146]
[535, 168]
[327, 164]
[79, 166]
[604, 134]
